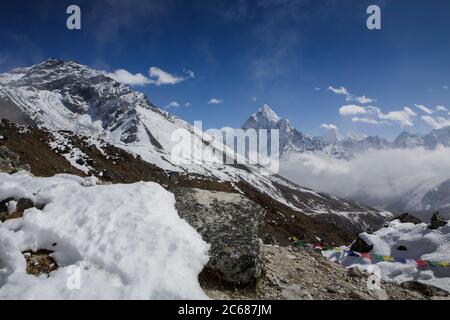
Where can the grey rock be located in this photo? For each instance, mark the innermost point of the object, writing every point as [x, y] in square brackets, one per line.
[295, 292]
[24, 204]
[361, 246]
[8, 160]
[407, 218]
[4, 209]
[437, 221]
[355, 272]
[425, 289]
[231, 224]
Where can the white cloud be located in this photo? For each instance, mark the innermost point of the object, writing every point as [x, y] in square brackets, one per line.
[362, 99]
[424, 109]
[441, 109]
[156, 76]
[173, 104]
[160, 77]
[123, 76]
[317, 89]
[365, 120]
[215, 101]
[436, 122]
[403, 117]
[328, 126]
[352, 109]
[350, 97]
[341, 90]
[445, 87]
[376, 177]
[374, 115]
[254, 99]
[188, 104]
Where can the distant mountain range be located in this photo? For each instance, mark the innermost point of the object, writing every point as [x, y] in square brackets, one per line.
[332, 144]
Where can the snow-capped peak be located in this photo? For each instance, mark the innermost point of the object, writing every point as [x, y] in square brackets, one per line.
[265, 118]
[268, 113]
[408, 140]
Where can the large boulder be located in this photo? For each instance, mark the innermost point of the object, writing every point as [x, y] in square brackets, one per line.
[437, 221]
[10, 162]
[231, 224]
[361, 246]
[407, 218]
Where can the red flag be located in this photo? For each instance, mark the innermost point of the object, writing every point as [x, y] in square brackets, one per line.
[422, 263]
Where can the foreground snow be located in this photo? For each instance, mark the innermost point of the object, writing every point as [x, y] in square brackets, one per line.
[421, 243]
[128, 241]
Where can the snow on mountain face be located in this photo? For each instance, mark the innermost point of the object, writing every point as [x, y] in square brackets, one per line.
[54, 94]
[408, 140]
[355, 146]
[291, 140]
[432, 195]
[59, 95]
[437, 137]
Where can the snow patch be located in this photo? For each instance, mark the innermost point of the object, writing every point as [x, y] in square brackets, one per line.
[127, 240]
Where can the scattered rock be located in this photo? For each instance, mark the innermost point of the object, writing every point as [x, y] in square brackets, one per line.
[269, 239]
[361, 246]
[425, 289]
[40, 262]
[402, 248]
[295, 292]
[24, 204]
[310, 275]
[407, 218]
[355, 272]
[437, 221]
[231, 224]
[8, 160]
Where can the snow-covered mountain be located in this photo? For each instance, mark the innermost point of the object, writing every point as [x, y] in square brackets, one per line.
[291, 139]
[333, 144]
[360, 145]
[438, 137]
[60, 95]
[407, 140]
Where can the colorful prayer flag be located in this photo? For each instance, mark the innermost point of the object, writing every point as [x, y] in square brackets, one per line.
[422, 263]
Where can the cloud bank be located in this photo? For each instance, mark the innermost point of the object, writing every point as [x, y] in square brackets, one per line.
[380, 178]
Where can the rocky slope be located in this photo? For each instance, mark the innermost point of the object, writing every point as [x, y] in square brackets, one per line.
[301, 274]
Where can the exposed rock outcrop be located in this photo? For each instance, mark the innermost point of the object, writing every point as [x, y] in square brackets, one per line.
[302, 274]
[437, 221]
[361, 246]
[231, 224]
[407, 218]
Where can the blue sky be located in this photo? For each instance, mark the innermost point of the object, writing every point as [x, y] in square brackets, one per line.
[285, 53]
